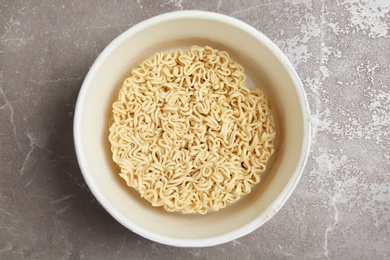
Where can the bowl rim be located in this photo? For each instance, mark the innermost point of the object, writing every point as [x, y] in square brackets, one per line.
[272, 209]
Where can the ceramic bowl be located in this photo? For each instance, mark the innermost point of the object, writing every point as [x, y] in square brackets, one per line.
[265, 66]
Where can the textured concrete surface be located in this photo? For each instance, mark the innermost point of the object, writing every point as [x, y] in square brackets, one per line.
[341, 207]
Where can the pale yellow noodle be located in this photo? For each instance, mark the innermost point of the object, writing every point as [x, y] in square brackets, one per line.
[187, 133]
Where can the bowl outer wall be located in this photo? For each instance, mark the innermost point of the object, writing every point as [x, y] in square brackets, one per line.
[272, 209]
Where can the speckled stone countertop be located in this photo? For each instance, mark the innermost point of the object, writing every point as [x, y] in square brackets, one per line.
[339, 210]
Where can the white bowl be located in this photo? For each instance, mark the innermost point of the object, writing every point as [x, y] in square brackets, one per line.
[265, 65]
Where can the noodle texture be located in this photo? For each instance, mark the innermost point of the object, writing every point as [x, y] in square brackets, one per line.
[187, 133]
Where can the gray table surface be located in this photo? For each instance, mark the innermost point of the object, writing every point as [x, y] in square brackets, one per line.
[339, 210]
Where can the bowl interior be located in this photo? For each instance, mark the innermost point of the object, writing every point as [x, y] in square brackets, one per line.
[263, 68]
